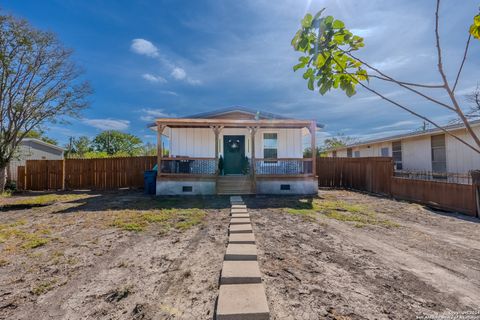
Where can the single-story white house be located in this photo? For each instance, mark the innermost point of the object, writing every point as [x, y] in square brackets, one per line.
[235, 151]
[33, 149]
[430, 150]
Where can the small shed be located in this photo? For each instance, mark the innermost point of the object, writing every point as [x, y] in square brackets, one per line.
[33, 149]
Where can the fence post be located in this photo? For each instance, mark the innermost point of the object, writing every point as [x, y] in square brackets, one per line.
[476, 189]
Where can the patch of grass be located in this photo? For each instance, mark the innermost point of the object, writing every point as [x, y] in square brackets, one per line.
[47, 199]
[19, 238]
[137, 221]
[6, 194]
[43, 287]
[341, 211]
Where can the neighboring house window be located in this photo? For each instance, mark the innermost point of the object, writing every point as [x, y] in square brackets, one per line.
[334, 154]
[357, 154]
[439, 154]
[384, 152]
[349, 152]
[397, 154]
[270, 146]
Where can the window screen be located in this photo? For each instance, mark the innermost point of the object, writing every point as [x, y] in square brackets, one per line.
[349, 152]
[357, 154]
[397, 154]
[439, 154]
[270, 146]
[334, 154]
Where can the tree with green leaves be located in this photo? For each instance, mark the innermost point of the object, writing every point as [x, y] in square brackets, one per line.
[38, 84]
[329, 60]
[117, 143]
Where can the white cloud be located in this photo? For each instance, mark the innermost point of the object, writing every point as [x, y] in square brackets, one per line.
[107, 124]
[150, 115]
[153, 78]
[179, 73]
[144, 47]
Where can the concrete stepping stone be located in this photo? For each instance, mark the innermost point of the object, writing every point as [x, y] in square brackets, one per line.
[242, 302]
[240, 215]
[241, 238]
[243, 252]
[238, 211]
[239, 206]
[241, 228]
[236, 220]
[235, 199]
[240, 272]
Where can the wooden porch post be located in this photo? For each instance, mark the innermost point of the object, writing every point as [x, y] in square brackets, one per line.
[216, 131]
[253, 130]
[160, 128]
[313, 130]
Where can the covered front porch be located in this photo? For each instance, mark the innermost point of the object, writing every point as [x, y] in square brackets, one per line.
[235, 156]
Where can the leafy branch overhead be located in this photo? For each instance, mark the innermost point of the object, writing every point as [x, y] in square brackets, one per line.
[329, 61]
[325, 42]
[475, 27]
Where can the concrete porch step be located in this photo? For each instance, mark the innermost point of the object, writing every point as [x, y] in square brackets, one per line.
[240, 215]
[242, 302]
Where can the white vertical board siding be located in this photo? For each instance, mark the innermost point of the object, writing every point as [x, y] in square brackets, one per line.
[460, 158]
[200, 142]
[30, 151]
[192, 142]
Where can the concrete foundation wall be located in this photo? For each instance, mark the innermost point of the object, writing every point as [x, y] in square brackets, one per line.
[172, 188]
[301, 186]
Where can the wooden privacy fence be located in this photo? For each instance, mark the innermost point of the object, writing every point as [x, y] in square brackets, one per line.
[368, 174]
[376, 175]
[103, 174]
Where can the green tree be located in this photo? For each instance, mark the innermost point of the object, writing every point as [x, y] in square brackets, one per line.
[117, 143]
[40, 134]
[329, 61]
[38, 84]
[78, 147]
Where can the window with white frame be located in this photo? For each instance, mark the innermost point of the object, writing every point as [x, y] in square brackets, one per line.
[349, 152]
[397, 154]
[384, 152]
[439, 154]
[270, 146]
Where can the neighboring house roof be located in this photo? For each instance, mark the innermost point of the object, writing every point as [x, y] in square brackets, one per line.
[254, 114]
[409, 135]
[41, 142]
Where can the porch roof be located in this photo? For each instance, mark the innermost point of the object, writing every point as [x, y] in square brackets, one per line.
[234, 123]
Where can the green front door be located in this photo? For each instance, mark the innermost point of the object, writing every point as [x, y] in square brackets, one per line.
[233, 154]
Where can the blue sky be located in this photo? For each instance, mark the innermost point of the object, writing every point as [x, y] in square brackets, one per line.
[148, 59]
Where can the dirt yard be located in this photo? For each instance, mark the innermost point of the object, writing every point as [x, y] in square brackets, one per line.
[110, 256]
[342, 255]
[347, 255]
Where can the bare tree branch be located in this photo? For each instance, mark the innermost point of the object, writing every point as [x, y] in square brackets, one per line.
[463, 62]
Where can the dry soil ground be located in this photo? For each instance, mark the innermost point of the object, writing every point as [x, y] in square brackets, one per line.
[111, 256]
[347, 255]
[123, 255]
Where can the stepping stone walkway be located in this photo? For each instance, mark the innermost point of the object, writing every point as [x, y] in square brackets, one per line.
[242, 295]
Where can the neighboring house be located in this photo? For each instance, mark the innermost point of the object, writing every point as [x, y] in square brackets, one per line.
[33, 149]
[430, 150]
[257, 152]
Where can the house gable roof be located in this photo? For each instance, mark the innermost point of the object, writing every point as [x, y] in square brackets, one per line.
[236, 112]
